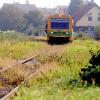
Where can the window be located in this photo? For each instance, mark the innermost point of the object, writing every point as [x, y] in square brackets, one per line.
[59, 23]
[98, 18]
[90, 18]
[99, 14]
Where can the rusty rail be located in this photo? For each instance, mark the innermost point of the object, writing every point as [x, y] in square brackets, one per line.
[17, 87]
[10, 94]
[20, 62]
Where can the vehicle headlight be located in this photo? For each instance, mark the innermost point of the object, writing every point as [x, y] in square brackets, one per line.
[66, 32]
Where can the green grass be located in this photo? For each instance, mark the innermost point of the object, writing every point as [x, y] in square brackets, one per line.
[16, 45]
[55, 85]
[54, 93]
[18, 50]
[11, 36]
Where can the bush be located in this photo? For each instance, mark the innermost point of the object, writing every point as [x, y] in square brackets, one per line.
[11, 35]
[91, 74]
[97, 30]
[82, 36]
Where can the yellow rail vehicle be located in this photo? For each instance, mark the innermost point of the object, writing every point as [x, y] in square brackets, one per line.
[59, 27]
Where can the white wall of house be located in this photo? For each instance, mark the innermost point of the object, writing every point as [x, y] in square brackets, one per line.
[94, 13]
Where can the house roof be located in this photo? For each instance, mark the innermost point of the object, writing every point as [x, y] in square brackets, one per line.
[83, 10]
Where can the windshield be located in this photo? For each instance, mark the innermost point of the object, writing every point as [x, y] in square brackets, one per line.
[59, 23]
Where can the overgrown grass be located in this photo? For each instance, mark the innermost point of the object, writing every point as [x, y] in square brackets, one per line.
[55, 93]
[16, 45]
[56, 84]
[18, 50]
[11, 36]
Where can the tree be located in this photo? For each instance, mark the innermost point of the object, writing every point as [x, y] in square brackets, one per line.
[74, 6]
[35, 21]
[12, 18]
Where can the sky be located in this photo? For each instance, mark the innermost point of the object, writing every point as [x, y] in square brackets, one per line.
[43, 3]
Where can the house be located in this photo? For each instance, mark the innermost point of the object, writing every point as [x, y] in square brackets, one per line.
[87, 17]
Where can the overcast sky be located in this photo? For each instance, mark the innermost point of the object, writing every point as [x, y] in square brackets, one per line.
[43, 3]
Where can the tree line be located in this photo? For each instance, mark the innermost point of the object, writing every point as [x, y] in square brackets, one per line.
[31, 22]
[13, 18]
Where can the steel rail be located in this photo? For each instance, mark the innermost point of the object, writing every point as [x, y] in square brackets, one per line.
[11, 93]
[29, 77]
[20, 62]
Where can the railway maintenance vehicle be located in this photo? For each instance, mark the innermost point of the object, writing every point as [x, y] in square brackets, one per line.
[59, 28]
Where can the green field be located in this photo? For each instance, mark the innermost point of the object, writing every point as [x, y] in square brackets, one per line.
[13, 48]
[16, 45]
[18, 50]
[58, 84]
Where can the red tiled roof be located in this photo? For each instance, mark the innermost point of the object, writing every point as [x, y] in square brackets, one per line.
[83, 10]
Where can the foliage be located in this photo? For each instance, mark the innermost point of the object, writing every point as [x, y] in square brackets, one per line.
[92, 72]
[55, 85]
[82, 36]
[55, 93]
[14, 18]
[34, 21]
[18, 50]
[16, 45]
[12, 36]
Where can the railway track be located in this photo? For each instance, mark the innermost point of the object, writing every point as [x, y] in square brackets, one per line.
[5, 92]
[48, 51]
[20, 62]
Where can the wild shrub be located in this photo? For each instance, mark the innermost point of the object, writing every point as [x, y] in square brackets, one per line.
[97, 30]
[11, 36]
[91, 73]
[82, 36]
